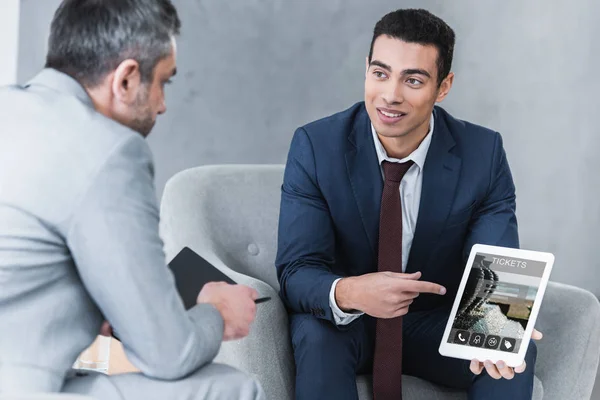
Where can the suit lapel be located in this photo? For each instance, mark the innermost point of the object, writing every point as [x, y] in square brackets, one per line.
[365, 176]
[440, 178]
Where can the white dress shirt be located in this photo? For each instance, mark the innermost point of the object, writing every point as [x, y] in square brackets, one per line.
[410, 193]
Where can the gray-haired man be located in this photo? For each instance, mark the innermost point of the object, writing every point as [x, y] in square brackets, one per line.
[79, 234]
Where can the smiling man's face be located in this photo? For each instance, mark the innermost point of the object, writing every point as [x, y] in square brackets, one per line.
[401, 87]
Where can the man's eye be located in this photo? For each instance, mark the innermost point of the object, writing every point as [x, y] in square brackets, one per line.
[379, 74]
[414, 81]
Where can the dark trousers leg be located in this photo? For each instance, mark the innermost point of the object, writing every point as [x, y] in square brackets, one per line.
[422, 334]
[327, 358]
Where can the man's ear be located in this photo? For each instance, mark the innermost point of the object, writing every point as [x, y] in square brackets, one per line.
[127, 81]
[445, 87]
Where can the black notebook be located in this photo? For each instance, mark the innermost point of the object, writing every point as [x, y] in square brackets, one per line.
[192, 272]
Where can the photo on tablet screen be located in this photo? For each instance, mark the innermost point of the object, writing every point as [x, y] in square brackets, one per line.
[497, 302]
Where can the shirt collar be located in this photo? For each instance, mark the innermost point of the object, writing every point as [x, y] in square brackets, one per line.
[61, 82]
[418, 156]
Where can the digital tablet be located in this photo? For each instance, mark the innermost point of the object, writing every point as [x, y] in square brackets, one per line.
[498, 301]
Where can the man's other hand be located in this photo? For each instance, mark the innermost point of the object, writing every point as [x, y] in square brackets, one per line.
[236, 305]
[500, 369]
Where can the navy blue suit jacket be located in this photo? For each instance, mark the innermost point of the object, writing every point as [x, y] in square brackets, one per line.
[331, 196]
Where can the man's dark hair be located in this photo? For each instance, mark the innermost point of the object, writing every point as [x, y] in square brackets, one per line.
[422, 27]
[90, 38]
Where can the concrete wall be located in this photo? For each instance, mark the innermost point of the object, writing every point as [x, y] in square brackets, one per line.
[9, 40]
[251, 71]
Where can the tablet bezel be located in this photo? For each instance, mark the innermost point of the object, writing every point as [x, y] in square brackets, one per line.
[482, 354]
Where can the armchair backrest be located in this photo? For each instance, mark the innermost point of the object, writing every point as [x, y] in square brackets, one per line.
[228, 210]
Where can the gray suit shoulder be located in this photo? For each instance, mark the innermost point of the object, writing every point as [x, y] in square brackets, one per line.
[58, 144]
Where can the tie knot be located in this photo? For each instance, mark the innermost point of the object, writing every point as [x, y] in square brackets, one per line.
[395, 171]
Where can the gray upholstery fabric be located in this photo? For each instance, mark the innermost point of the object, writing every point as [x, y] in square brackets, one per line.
[243, 246]
[245, 198]
[228, 214]
[414, 388]
[569, 352]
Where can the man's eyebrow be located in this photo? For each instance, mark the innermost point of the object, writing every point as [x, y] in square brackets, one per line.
[408, 71]
[416, 71]
[381, 65]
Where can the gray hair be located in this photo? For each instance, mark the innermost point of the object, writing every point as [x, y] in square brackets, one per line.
[90, 38]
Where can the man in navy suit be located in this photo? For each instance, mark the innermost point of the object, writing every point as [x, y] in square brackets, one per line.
[362, 259]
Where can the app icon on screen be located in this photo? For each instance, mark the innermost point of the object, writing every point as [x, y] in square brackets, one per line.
[477, 339]
[462, 337]
[492, 342]
[508, 344]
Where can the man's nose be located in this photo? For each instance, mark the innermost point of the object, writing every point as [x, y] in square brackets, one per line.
[394, 93]
[163, 108]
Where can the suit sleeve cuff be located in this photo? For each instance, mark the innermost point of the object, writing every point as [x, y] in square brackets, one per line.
[340, 317]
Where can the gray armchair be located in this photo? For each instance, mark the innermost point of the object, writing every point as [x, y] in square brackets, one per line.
[229, 214]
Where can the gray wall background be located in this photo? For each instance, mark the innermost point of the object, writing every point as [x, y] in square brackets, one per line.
[251, 71]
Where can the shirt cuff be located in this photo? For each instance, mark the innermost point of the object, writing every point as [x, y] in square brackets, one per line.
[340, 317]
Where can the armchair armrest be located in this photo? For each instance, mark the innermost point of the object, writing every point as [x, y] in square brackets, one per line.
[267, 352]
[569, 352]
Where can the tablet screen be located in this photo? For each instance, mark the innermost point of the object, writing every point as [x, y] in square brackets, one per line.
[497, 301]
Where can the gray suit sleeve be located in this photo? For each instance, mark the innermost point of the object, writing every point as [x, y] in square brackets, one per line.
[114, 240]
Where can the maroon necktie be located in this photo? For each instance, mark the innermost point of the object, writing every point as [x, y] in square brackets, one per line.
[387, 364]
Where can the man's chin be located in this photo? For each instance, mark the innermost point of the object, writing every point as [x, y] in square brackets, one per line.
[391, 133]
[146, 132]
[143, 129]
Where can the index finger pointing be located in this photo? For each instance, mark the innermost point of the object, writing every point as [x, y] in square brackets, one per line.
[426, 287]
